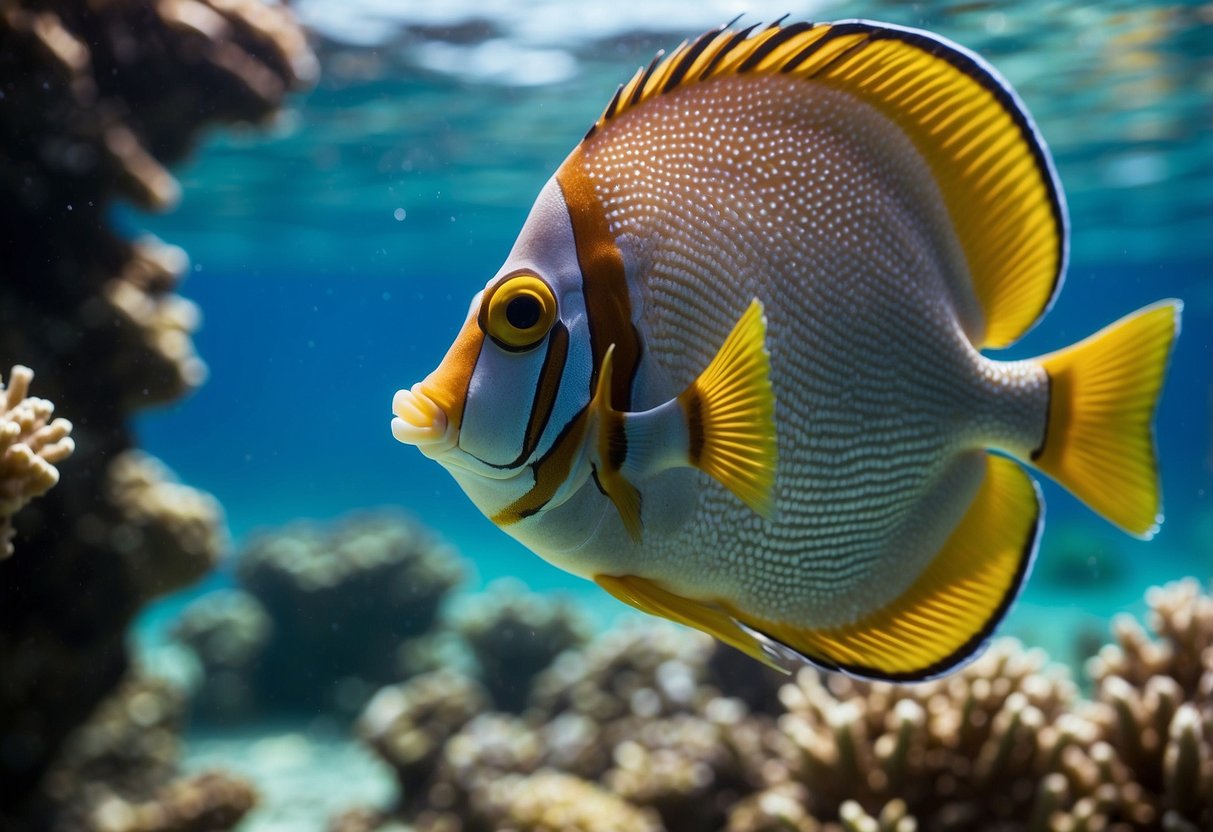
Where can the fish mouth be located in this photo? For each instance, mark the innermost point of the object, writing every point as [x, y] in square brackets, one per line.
[421, 421]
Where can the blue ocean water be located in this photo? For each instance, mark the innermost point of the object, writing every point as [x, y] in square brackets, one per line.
[334, 258]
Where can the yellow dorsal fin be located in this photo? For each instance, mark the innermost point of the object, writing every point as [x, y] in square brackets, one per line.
[992, 167]
[730, 411]
[949, 611]
[646, 596]
[1099, 442]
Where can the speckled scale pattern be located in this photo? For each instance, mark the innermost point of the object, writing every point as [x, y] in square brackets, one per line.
[815, 203]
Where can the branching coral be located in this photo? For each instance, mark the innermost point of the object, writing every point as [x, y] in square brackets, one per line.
[1154, 708]
[1006, 743]
[31, 444]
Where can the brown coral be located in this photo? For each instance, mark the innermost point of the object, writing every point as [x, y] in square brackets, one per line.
[99, 98]
[169, 534]
[205, 802]
[1005, 743]
[342, 598]
[553, 802]
[30, 446]
[514, 635]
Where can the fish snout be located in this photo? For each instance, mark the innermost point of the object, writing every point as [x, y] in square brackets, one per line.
[421, 421]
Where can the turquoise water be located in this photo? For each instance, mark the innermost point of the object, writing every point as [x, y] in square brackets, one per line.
[333, 258]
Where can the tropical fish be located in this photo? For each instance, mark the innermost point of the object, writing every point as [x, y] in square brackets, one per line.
[733, 371]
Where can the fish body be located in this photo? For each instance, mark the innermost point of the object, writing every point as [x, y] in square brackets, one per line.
[732, 369]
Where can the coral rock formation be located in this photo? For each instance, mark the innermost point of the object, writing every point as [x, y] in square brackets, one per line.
[97, 98]
[342, 600]
[639, 725]
[227, 631]
[118, 772]
[30, 446]
[514, 635]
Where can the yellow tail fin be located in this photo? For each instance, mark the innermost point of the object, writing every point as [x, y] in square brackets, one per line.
[1099, 442]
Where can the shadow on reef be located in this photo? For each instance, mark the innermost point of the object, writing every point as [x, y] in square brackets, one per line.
[96, 98]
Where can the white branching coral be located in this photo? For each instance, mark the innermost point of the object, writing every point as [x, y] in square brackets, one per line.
[31, 443]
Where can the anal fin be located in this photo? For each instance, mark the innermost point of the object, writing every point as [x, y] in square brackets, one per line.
[646, 596]
[949, 611]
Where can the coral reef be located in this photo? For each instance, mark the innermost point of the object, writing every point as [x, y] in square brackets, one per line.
[640, 725]
[99, 97]
[227, 631]
[342, 600]
[119, 771]
[30, 445]
[514, 635]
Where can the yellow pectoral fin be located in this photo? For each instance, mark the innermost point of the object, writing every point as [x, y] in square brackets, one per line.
[646, 596]
[730, 413]
[949, 611]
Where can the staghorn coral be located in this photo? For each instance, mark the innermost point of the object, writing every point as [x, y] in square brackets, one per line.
[1004, 744]
[99, 98]
[30, 446]
[227, 630]
[1154, 709]
[514, 635]
[342, 599]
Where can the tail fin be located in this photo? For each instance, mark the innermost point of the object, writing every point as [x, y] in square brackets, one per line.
[1099, 442]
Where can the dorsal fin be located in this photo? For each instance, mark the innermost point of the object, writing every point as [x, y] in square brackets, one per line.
[991, 165]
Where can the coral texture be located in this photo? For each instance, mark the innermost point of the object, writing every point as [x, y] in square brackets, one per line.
[227, 631]
[97, 99]
[341, 600]
[640, 724]
[515, 634]
[30, 446]
[119, 771]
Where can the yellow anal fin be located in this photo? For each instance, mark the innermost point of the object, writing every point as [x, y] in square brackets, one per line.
[646, 596]
[950, 610]
[730, 412]
[1103, 391]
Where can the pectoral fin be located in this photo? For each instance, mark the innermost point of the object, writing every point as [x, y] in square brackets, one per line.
[730, 413]
[723, 423]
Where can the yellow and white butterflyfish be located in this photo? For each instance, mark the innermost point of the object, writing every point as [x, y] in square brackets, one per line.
[732, 369]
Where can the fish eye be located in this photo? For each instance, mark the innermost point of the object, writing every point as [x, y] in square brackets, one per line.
[519, 312]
